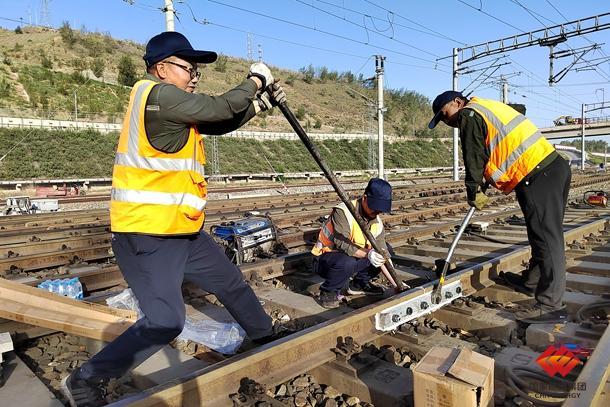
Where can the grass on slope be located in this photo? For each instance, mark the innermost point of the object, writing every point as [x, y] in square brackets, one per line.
[37, 153]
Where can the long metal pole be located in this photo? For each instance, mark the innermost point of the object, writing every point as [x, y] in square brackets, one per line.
[75, 108]
[582, 139]
[341, 192]
[380, 109]
[456, 174]
[169, 15]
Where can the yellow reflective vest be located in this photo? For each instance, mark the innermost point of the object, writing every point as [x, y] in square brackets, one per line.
[326, 237]
[155, 192]
[515, 144]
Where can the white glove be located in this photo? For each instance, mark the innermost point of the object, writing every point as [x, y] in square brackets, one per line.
[262, 103]
[275, 94]
[262, 72]
[375, 258]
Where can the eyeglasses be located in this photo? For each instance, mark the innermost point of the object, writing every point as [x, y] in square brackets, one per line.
[192, 71]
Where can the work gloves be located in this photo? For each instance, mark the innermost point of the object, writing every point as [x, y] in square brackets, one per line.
[375, 258]
[272, 96]
[480, 201]
[262, 72]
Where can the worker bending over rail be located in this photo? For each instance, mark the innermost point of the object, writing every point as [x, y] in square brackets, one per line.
[157, 207]
[342, 250]
[506, 150]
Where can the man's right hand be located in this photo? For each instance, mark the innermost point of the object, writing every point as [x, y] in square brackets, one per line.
[262, 72]
[480, 201]
[375, 258]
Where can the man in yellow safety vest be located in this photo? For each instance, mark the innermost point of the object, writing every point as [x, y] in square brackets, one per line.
[157, 207]
[342, 250]
[504, 149]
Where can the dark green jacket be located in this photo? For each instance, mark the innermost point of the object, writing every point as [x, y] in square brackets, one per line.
[170, 112]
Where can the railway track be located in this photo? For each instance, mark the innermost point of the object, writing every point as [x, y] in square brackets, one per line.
[483, 320]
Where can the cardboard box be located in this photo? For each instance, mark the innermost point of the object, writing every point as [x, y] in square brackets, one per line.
[447, 377]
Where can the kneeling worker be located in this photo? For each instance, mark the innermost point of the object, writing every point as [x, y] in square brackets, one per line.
[342, 250]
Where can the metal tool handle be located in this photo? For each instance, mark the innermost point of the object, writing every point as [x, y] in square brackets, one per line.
[338, 188]
[460, 231]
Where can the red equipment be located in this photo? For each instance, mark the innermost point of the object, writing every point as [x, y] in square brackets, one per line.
[596, 198]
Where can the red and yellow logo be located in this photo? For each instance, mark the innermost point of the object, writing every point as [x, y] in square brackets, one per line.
[557, 360]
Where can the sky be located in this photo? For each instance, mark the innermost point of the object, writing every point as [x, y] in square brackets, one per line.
[416, 38]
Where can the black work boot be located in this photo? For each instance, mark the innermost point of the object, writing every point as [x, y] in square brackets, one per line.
[355, 288]
[329, 299]
[84, 392]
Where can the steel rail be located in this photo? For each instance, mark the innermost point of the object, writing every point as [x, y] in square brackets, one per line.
[281, 360]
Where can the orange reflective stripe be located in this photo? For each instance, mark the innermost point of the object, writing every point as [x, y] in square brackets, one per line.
[326, 240]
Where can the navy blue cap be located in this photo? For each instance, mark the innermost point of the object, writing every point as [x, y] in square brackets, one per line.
[440, 101]
[170, 43]
[379, 195]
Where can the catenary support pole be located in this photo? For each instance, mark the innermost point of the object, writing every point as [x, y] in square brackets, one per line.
[582, 138]
[380, 110]
[169, 15]
[456, 174]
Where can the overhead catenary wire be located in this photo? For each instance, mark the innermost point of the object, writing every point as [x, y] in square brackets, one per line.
[431, 32]
[325, 32]
[361, 26]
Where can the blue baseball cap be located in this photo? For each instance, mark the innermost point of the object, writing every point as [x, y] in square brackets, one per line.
[440, 101]
[379, 195]
[170, 43]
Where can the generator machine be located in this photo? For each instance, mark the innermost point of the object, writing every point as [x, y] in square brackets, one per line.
[246, 239]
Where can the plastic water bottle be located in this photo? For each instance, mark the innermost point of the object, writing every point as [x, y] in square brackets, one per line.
[73, 288]
[57, 287]
[45, 285]
[68, 287]
[78, 289]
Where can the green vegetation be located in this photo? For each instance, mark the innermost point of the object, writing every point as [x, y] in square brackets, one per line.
[51, 91]
[37, 153]
[127, 71]
[597, 146]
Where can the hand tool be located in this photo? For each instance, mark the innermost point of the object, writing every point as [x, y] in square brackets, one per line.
[444, 264]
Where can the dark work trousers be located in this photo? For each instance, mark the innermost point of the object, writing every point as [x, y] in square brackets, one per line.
[154, 267]
[543, 198]
[337, 267]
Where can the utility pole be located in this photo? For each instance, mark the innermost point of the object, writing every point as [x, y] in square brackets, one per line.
[260, 53]
[249, 46]
[504, 90]
[169, 15]
[582, 140]
[215, 161]
[45, 19]
[380, 110]
[75, 107]
[456, 132]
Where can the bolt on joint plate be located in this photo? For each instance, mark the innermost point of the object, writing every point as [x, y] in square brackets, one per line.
[413, 308]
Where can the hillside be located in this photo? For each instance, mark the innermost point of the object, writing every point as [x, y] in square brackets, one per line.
[38, 153]
[63, 73]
